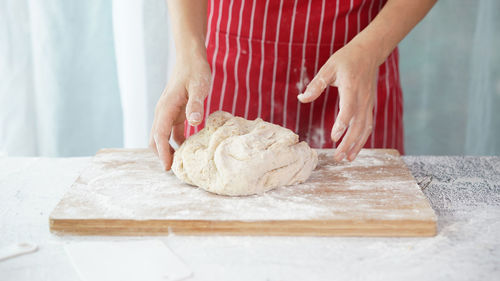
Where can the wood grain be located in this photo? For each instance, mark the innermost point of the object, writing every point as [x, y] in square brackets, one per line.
[125, 192]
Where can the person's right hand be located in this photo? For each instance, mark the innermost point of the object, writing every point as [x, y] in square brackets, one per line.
[182, 99]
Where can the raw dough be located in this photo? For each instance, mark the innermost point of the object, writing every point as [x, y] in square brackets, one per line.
[235, 156]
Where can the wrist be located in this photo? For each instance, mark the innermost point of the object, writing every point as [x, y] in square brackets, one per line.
[188, 49]
[374, 45]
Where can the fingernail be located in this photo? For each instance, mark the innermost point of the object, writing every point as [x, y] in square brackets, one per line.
[302, 96]
[194, 117]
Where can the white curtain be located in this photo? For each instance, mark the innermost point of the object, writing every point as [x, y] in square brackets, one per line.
[58, 85]
[144, 53]
[76, 76]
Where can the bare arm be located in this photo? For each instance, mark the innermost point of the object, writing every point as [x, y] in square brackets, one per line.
[188, 19]
[396, 19]
[189, 83]
[353, 69]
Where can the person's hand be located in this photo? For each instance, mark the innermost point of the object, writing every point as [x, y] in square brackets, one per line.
[182, 99]
[353, 70]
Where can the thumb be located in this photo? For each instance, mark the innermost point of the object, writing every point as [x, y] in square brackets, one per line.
[323, 78]
[197, 92]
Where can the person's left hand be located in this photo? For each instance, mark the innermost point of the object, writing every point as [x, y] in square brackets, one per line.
[353, 70]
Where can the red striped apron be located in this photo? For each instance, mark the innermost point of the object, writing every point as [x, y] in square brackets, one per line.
[264, 53]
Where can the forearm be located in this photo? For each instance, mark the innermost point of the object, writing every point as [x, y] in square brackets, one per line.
[188, 19]
[396, 19]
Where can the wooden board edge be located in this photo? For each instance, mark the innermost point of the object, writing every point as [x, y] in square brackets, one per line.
[369, 228]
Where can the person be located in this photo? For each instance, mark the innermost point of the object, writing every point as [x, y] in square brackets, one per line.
[305, 65]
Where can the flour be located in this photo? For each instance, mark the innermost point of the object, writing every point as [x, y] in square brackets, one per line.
[318, 136]
[303, 80]
[132, 185]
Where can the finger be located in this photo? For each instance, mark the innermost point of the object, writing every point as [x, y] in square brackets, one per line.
[347, 109]
[351, 138]
[166, 114]
[165, 151]
[178, 133]
[152, 143]
[323, 78]
[351, 116]
[197, 92]
[353, 153]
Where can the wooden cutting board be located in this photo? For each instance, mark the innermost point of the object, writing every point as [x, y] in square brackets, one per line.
[125, 192]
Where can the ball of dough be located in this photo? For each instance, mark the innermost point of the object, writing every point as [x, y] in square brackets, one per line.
[235, 156]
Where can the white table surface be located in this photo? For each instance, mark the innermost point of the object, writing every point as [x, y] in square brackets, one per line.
[464, 192]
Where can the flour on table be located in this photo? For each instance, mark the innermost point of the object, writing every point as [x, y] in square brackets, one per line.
[130, 184]
[235, 156]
